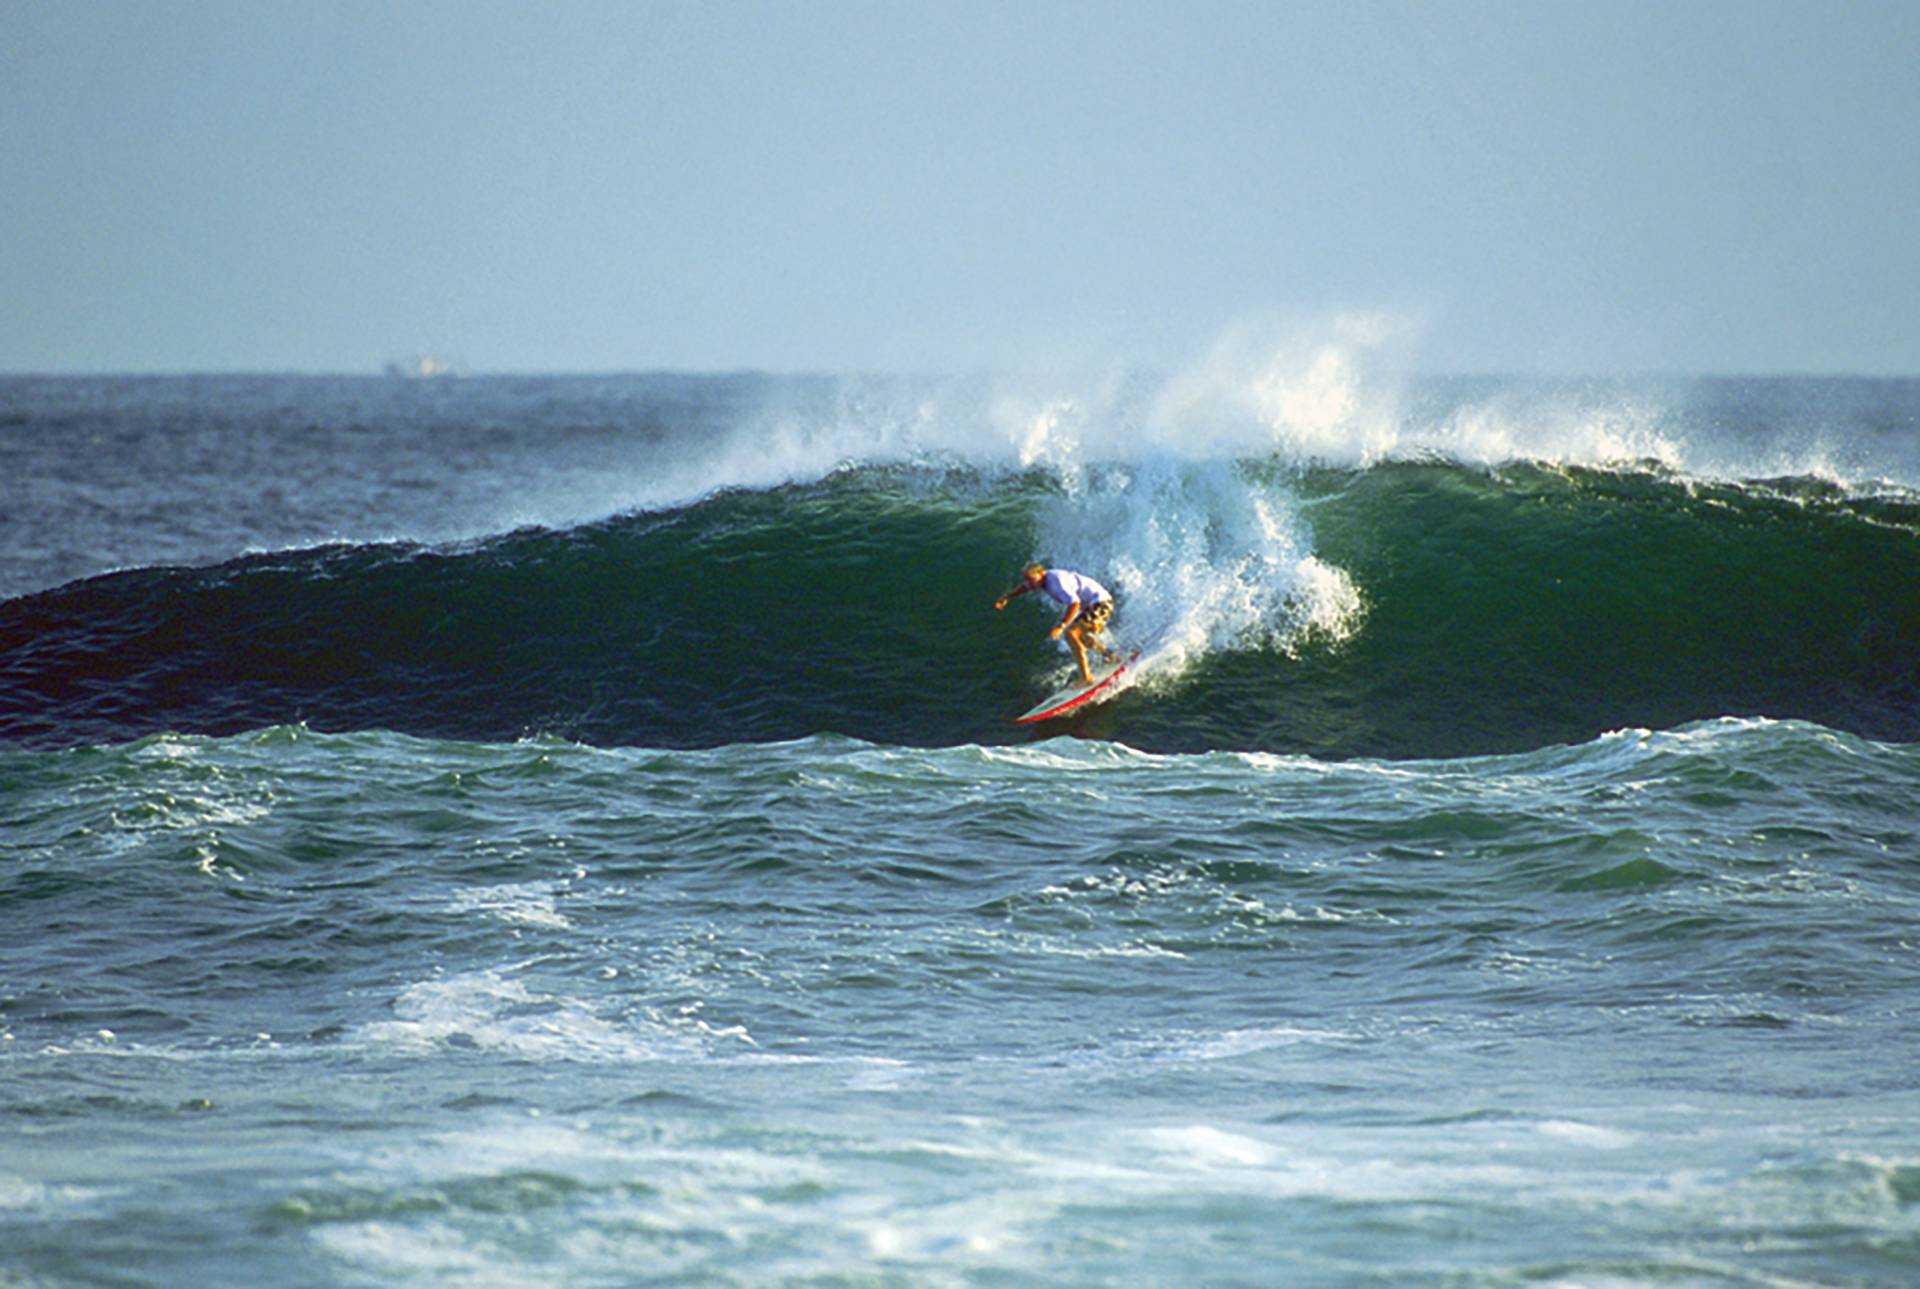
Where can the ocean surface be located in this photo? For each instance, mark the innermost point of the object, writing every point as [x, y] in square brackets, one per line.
[571, 830]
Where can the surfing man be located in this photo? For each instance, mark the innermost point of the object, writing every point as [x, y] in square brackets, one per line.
[1089, 608]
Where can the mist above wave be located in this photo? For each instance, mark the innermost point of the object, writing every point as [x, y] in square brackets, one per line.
[1339, 392]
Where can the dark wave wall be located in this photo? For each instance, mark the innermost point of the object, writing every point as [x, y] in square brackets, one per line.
[1503, 611]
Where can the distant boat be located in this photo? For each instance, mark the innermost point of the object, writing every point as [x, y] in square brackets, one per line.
[426, 367]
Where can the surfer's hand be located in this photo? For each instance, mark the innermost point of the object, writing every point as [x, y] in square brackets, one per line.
[1055, 633]
[999, 604]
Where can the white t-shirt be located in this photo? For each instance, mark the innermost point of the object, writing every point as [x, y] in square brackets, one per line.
[1066, 587]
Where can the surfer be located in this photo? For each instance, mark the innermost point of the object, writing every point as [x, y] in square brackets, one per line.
[1089, 609]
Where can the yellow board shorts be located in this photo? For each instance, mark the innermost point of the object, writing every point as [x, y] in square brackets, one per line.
[1094, 620]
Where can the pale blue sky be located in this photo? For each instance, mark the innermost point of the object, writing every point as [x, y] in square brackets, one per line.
[1598, 187]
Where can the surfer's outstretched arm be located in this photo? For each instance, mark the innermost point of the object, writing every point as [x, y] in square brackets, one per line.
[1032, 578]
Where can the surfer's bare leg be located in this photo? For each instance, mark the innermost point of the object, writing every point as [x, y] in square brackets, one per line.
[1080, 653]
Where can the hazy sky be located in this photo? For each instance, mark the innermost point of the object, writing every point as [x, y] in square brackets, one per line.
[585, 186]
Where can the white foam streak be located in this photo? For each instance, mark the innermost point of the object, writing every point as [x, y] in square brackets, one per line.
[492, 1011]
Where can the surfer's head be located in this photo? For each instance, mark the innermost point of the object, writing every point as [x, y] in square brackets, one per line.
[1034, 573]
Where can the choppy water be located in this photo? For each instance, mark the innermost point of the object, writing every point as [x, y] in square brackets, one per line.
[575, 833]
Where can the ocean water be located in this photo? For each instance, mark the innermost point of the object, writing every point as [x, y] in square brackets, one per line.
[571, 830]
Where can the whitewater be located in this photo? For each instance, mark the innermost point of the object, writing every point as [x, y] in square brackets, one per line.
[533, 829]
